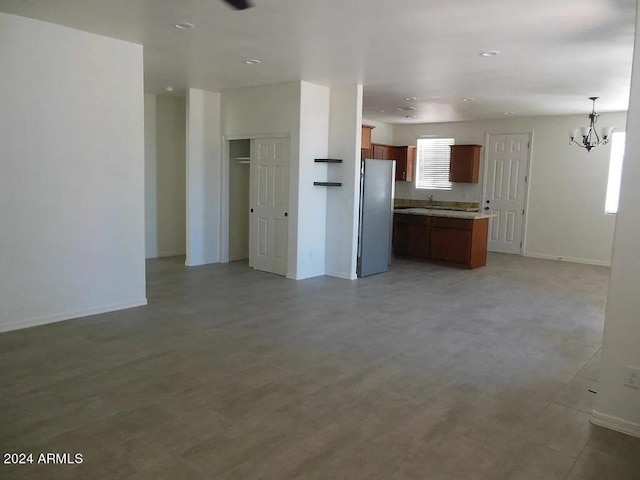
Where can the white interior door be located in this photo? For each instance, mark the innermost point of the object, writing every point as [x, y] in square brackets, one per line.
[505, 190]
[270, 203]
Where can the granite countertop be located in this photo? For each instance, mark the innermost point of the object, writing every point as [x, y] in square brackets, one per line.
[433, 212]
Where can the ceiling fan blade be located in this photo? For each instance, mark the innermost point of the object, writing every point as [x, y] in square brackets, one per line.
[239, 4]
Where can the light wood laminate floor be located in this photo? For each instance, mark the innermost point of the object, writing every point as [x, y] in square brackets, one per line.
[425, 372]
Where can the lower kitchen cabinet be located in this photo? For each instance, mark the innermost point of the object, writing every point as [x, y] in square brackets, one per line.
[455, 241]
[411, 234]
[451, 245]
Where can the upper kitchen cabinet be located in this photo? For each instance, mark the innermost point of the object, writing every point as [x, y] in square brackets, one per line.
[404, 156]
[383, 152]
[365, 144]
[405, 161]
[465, 163]
[366, 136]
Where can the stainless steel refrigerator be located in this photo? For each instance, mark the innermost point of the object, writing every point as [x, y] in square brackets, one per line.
[376, 216]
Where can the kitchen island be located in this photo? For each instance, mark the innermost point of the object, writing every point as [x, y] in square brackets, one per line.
[456, 238]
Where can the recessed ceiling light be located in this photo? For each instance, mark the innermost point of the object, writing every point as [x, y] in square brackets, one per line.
[406, 109]
[252, 61]
[507, 113]
[183, 25]
[384, 111]
[410, 116]
[467, 99]
[168, 89]
[410, 99]
[489, 53]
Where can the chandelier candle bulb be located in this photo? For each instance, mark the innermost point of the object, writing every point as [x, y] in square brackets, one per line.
[574, 133]
[607, 131]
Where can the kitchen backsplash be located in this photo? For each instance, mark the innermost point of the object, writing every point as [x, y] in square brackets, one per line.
[414, 203]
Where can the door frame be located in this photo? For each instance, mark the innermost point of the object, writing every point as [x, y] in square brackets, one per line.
[527, 183]
[225, 194]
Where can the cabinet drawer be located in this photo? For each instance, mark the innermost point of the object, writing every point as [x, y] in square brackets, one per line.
[415, 219]
[454, 223]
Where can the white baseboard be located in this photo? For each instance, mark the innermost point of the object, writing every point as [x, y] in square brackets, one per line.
[168, 253]
[291, 276]
[199, 264]
[172, 253]
[33, 322]
[344, 276]
[614, 423]
[584, 261]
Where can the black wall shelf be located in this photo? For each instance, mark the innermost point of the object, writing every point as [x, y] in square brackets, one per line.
[328, 184]
[328, 160]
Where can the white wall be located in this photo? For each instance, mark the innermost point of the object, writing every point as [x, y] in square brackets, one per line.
[618, 406]
[565, 216]
[259, 112]
[345, 134]
[312, 200]
[165, 216]
[170, 180]
[72, 181]
[150, 178]
[203, 186]
[383, 133]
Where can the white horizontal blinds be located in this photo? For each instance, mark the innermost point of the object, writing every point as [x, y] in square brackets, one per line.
[615, 172]
[433, 159]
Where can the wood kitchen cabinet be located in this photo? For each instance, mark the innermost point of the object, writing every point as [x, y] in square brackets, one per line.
[465, 163]
[405, 158]
[411, 235]
[451, 240]
[455, 241]
[383, 152]
[377, 151]
[405, 162]
[365, 144]
[366, 136]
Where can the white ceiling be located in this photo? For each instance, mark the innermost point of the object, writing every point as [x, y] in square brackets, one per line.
[554, 53]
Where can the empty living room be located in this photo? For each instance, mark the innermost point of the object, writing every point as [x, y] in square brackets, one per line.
[184, 201]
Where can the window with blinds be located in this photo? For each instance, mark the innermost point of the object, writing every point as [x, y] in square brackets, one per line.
[615, 172]
[432, 163]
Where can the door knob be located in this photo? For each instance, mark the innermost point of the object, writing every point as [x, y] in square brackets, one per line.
[252, 210]
[286, 214]
[486, 208]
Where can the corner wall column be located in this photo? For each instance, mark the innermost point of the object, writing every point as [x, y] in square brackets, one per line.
[203, 185]
[618, 406]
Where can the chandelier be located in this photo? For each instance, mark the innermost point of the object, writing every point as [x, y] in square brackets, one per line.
[590, 138]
